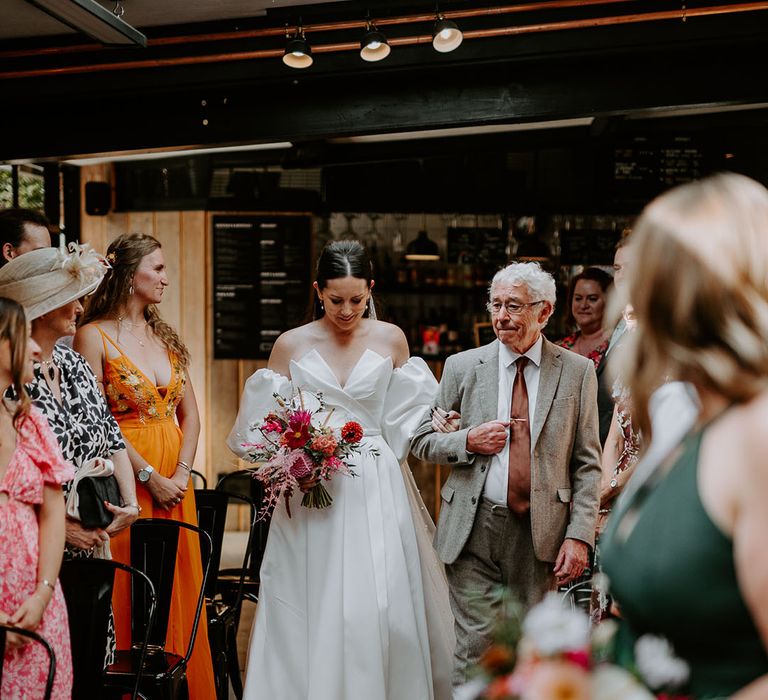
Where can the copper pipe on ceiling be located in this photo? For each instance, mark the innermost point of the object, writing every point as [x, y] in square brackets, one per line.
[324, 27]
[399, 41]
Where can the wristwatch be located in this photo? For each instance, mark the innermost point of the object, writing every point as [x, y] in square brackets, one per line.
[144, 474]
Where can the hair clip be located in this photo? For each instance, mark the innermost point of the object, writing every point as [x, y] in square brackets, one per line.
[111, 257]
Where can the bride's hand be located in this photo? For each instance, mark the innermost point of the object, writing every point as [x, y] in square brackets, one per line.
[445, 421]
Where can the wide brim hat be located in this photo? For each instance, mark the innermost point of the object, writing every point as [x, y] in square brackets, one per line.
[48, 278]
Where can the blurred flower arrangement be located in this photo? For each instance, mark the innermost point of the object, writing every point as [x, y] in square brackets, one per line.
[301, 448]
[555, 654]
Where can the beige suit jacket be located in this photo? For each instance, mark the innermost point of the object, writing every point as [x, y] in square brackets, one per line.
[565, 466]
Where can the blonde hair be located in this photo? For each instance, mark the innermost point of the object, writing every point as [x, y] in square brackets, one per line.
[13, 328]
[125, 254]
[701, 295]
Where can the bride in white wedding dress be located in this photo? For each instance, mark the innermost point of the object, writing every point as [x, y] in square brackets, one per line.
[353, 602]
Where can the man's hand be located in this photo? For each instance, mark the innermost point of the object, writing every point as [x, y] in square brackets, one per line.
[488, 438]
[445, 421]
[571, 561]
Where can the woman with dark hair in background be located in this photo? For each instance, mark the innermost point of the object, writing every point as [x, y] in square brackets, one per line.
[32, 471]
[21, 231]
[586, 305]
[142, 364]
[353, 601]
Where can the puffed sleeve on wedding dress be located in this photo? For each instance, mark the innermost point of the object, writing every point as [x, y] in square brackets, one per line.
[255, 403]
[411, 391]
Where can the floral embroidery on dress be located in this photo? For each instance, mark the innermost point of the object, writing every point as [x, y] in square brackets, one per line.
[127, 389]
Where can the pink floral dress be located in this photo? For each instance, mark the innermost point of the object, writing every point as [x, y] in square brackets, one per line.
[37, 461]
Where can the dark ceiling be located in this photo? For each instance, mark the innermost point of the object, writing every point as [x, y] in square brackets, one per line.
[222, 82]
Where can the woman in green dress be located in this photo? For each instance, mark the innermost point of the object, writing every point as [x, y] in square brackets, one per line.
[686, 551]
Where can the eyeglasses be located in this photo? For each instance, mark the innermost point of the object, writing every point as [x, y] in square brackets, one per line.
[512, 308]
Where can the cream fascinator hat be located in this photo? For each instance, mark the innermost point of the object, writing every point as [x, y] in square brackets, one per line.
[48, 278]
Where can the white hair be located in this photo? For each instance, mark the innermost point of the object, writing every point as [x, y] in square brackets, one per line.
[540, 283]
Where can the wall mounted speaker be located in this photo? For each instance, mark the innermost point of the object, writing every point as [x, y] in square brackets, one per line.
[98, 197]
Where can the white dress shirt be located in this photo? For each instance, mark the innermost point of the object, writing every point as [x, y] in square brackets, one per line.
[495, 489]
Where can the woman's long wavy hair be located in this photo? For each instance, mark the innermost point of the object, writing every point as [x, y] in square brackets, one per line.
[13, 328]
[699, 292]
[125, 254]
[343, 259]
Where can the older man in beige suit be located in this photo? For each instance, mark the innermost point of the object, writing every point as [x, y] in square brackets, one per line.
[520, 505]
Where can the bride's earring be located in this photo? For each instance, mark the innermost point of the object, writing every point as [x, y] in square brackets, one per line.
[130, 290]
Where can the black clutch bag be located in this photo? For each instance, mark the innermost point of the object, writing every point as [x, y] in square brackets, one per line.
[92, 492]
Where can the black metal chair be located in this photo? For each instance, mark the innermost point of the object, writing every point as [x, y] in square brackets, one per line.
[228, 582]
[154, 545]
[223, 616]
[35, 638]
[87, 586]
[198, 479]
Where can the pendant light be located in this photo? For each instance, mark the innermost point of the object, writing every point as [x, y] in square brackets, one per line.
[446, 35]
[374, 45]
[298, 52]
[423, 248]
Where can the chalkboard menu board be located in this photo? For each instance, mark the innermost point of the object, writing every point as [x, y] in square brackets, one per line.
[588, 247]
[643, 167]
[261, 277]
[475, 245]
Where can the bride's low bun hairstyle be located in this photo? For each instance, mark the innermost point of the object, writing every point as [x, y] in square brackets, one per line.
[343, 259]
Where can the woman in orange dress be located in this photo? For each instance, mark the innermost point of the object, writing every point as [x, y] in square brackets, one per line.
[142, 365]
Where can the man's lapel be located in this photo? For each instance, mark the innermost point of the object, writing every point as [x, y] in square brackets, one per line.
[549, 377]
[487, 373]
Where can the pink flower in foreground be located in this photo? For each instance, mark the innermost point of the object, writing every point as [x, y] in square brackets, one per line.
[325, 444]
[302, 466]
[558, 680]
[580, 657]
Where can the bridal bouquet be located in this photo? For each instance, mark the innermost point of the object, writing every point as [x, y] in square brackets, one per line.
[555, 653]
[299, 446]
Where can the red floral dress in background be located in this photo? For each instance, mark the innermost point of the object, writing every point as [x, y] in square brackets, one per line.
[596, 355]
[36, 462]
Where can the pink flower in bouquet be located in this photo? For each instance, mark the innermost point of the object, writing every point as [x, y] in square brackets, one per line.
[324, 444]
[580, 657]
[351, 432]
[297, 434]
[558, 680]
[272, 426]
[302, 466]
[333, 464]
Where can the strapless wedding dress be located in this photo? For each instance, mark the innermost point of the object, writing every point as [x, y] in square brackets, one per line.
[353, 603]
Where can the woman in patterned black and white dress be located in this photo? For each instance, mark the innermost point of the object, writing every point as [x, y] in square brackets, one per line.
[49, 284]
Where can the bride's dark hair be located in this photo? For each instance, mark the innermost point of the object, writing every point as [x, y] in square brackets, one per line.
[343, 259]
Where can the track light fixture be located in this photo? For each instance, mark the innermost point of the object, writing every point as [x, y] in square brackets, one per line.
[298, 52]
[446, 35]
[374, 45]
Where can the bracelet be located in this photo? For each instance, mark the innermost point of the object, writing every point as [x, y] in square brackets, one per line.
[184, 465]
[46, 582]
[133, 505]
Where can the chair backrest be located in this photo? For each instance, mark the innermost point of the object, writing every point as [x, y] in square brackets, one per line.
[243, 484]
[36, 638]
[87, 586]
[212, 517]
[198, 479]
[154, 545]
